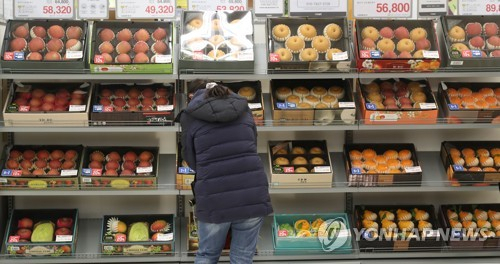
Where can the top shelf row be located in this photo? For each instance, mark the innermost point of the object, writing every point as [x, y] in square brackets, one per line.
[229, 46]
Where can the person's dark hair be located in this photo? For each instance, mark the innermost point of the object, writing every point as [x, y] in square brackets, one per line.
[195, 85]
[217, 90]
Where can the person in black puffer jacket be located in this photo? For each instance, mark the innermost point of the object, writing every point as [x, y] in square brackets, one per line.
[219, 141]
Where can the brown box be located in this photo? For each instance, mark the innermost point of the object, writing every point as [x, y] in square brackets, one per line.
[414, 113]
[18, 115]
[305, 175]
[17, 178]
[185, 175]
[462, 174]
[287, 113]
[358, 177]
[342, 62]
[457, 113]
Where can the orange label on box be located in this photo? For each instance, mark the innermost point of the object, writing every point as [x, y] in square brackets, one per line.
[401, 245]
[385, 179]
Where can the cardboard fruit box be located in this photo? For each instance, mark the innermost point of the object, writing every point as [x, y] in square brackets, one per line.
[217, 41]
[42, 233]
[485, 216]
[41, 167]
[303, 232]
[139, 53]
[340, 109]
[133, 104]
[117, 168]
[363, 169]
[48, 104]
[255, 99]
[133, 235]
[458, 109]
[29, 53]
[392, 101]
[185, 175]
[460, 53]
[329, 60]
[471, 162]
[372, 59]
[424, 236]
[300, 164]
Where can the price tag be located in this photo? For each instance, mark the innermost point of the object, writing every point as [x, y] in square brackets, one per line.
[282, 233]
[64, 238]
[318, 8]
[288, 169]
[69, 172]
[268, 8]
[163, 58]
[413, 169]
[340, 56]
[319, 169]
[86, 180]
[77, 108]
[146, 9]
[120, 238]
[479, 7]
[428, 106]
[255, 105]
[43, 9]
[382, 8]
[431, 54]
[74, 54]
[427, 8]
[347, 105]
[93, 9]
[165, 108]
[144, 169]
[14, 239]
[3, 180]
[165, 237]
[217, 5]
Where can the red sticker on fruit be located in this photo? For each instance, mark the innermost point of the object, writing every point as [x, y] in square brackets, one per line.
[99, 59]
[274, 57]
[365, 54]
[282, 233]
[14, 239]
[24, 108]
[120, 238]
[17, 172]
[198, 55]
[96, 172]
[289, 169]
[466, 53]
[108, 108]
[8, 56]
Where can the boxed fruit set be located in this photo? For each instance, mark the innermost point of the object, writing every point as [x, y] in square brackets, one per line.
[185, 175]
[397, 101]
[45, 46]
[470, 102]
[397, 228]
[472, 41]
[473, 226]
[252, 91]
[41, 167]
[132, 235]
[193, 237]
[120, 168]
[471, 162]
[300, 164]
[396, 45]
[308, 44]
[318, 102]
[307, 232]
[216, 41]
[42, 233]
[133, 104]
[48, 104]
[381, 164]
[131, 47]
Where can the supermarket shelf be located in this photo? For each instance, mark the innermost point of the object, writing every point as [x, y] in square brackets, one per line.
[442, 73]
[90, 129]
[88, 77]
[441, 124]
[88, 249]
[166, 185]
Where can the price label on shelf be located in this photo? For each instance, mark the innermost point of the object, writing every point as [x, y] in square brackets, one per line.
[93, 9]
[268, 8]
[479, 7]
[64, 238]
[147, 9]
[43, 9]
[217, 5]
[427, 8]
[382, 8]
[318, 8]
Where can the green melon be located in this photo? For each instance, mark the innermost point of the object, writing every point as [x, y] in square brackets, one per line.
[138, 232]
[43, 232]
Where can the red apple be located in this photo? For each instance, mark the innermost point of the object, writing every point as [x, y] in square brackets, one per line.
[25, 223]
[65, 222]
[24, 233]
[63, 231]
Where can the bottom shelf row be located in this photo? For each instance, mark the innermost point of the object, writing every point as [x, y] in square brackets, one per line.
[371, 232]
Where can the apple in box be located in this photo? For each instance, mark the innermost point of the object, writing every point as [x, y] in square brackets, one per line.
[65, 222]
[25, 223]
[24, 233]
[63, 231]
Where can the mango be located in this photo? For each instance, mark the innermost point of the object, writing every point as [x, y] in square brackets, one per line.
[138, 232]
[43, 232]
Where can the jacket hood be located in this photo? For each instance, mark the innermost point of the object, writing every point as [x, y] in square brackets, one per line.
[216, 109]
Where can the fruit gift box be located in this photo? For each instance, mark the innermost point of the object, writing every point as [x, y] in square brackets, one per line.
[308, 44]
[132, 235]
[471, 226]
[120, 168]
[252, 91]
[396, 101]
[397, 228]
[312, 102]
[293, 233]
[471, 41]
[131, 47]
[380, 164]
[396, 45]
[133, 104]
[193, 240]
[216, 42]
[41, 167]
[300, 164]
[470, 102]
[47, 104]
[42, 233]
[45, 46]
[185, 175]
[471, 162]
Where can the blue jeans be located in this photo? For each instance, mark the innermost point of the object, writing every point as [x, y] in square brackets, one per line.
[212, 238]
